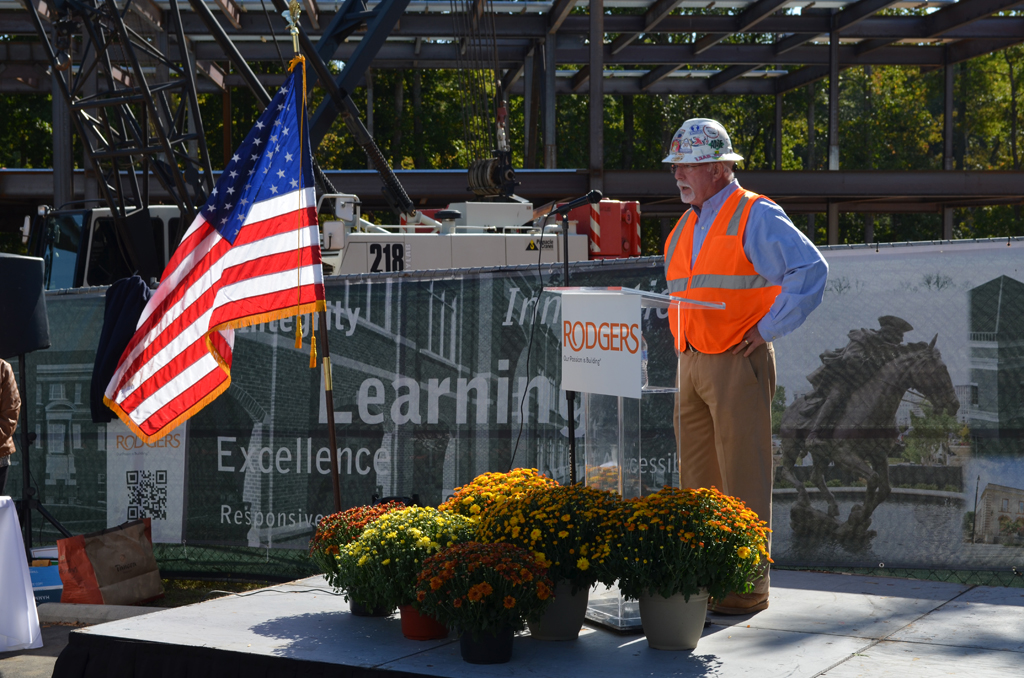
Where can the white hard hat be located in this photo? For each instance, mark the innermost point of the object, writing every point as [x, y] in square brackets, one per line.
[701, 140]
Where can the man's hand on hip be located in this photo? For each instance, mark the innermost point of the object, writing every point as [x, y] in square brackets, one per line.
[751, 340]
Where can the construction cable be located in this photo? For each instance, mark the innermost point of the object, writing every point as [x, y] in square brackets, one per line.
[273, 35]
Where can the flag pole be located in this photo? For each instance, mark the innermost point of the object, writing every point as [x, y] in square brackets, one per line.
[329, 399]
[292, 16]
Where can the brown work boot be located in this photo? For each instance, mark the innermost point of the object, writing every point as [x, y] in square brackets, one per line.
[739, 603]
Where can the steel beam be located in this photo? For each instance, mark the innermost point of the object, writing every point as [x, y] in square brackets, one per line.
[889, 189]
[580, 80]
[655, 14]
[947, 117]
[743, 22]
[403, 55]
[968, 49]
[657, 75]
[672, 86]
[759, 86]
[558, 13]
[254, 26]
[596, 100]
[778, 131]
[833, 102]
[550, 121]
[962, 13]
[847, 18]
[63, 150]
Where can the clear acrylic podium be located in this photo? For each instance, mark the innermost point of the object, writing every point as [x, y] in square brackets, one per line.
[629, 444]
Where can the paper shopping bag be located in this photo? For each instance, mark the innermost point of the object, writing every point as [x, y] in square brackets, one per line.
[111, 567]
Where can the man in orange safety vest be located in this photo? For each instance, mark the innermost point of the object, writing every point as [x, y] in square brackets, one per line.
[737, 247]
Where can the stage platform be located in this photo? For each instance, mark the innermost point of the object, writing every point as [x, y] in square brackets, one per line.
[818, 626]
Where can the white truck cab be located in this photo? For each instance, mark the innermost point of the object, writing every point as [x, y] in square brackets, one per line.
[80, 247]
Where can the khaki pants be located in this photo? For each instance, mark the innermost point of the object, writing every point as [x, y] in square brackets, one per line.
[723, 426]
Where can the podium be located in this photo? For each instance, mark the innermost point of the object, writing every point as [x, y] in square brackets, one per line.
[618, 350]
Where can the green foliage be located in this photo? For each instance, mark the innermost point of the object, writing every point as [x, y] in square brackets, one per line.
[567, 528]
[26, 132]
[967, 526]
[778, 408]
[10, 243]
[929, 431]
[339, 529]
[379, 568]
[479, 588]
[683, 541]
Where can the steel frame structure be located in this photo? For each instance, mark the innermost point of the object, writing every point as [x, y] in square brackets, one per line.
[762, 47]
[130, 127]
[956, 32]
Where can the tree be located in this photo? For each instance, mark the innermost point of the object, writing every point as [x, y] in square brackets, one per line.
[930, 433]
[778, 408]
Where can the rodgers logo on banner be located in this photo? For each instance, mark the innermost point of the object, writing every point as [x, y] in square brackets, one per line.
[601, 344]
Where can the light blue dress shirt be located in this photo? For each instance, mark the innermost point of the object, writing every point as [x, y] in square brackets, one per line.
[780, 253]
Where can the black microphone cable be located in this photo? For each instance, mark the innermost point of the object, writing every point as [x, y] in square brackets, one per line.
[529, 343]
[591, 198]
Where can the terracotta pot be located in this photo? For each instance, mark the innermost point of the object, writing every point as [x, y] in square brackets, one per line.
[416, 626]
[487, 648]
[359, 610]
[673, 623]
[564, 615]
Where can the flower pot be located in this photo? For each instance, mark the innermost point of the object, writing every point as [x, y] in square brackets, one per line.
[673, 623]
[359, 610]
[563, 618]
[416, 626]
[487, 648]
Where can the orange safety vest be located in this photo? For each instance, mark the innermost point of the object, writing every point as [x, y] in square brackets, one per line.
[722, 273]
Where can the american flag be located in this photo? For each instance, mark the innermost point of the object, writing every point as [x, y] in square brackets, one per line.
[251, 255]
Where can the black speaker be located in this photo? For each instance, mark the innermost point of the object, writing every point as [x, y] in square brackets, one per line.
[22, 306]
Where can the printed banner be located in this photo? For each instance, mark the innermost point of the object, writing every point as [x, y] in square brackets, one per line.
[147, 480]
[601, 344]
[897, 422]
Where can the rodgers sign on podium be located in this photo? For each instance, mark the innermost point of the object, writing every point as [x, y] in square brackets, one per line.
[601, 343]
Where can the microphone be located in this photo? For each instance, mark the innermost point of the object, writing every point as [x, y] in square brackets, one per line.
[593, 197]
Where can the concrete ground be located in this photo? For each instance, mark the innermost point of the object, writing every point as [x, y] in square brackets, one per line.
[37, 663]
[818, 626]
[57, 620]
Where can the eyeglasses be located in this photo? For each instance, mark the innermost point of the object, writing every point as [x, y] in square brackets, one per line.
[672, 167]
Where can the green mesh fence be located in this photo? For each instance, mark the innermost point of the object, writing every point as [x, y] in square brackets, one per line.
[433, 382]
[228, 563]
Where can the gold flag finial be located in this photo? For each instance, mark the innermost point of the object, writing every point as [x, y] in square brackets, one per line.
[291, 15]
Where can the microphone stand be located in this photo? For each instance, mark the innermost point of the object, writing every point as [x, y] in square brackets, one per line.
[570, 396]
[594, 197]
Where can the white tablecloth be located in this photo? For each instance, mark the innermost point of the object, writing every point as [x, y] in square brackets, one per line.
[19, 621]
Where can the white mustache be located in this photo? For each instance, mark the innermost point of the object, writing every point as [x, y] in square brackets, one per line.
[682, 186]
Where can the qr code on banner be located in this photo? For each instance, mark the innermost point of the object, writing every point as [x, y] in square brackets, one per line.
[147, 495]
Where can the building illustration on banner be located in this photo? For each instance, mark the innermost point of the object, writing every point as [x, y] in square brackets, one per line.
[999, 518]
[997, 364]
[62, 416]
